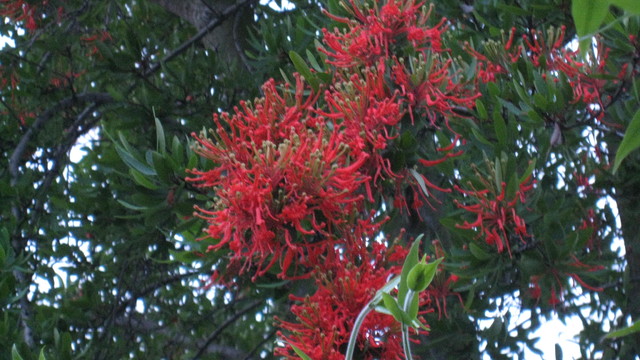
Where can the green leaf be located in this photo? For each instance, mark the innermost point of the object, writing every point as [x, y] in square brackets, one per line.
[478, 135]
[412, 312]
[142, 180]
[132, 162]
[160, 140]
[528, 172]
[624, 332]
[41, 356]
[630, 141]
[132, 206]
[299, 352]
[632, 6]
[15, 355]
[478, 252]
[500, 128]
[420, 180]
[409, 263]
[303, 69]
[314, 62]
[163, 169]
[482, 111]
[391, 304]
[587, 16]
[421, 275]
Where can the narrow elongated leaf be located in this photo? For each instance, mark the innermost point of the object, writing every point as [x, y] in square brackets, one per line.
[160, 140]
[624, 332]
[299, 352]
[303, 69]
[630, 141]
[134, 163]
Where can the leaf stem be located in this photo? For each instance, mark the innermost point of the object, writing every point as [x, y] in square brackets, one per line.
[406, 344]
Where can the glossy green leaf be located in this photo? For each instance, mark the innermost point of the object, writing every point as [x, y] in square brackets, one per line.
[421, 275]
[132, 206]
[391, 304]
[303, 69]
[142, 180]
[161, 146]
[162, 168]
[630, 141]
[500, 128]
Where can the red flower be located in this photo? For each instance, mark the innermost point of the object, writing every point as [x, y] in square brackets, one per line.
[376, 31]
[20, 10]
[496, 216]
[368, 116]
[326, 318]
[285, 183]
[427, 86]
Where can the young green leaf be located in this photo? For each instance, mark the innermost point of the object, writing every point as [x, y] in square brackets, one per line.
[409, 263]
[299, 352]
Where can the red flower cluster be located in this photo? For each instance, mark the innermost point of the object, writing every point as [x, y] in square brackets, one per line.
[374, 33]
[369, 116]
[20, 10]
[550, 54]
[496, 216]
[325, 319]
[549, 285]
[286, 185]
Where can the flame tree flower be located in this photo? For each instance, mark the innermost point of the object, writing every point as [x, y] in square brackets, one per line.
[496, 215]
[325, 319]
[373, 33]
[285, 185]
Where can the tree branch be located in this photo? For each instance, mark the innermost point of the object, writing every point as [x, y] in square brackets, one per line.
[198, 13]
[14, 160]
[219, 330]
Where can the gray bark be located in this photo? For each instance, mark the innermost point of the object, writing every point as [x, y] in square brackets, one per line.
[228, 40]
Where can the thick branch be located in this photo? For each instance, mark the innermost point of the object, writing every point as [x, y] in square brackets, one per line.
[226, 16]
[14, 160]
